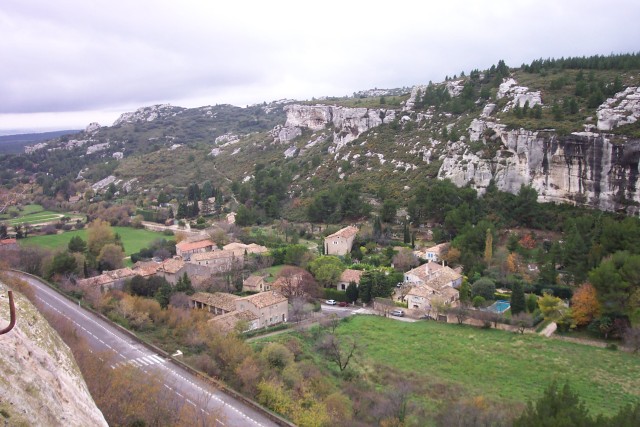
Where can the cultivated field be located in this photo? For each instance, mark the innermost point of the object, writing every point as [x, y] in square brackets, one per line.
[35, 214]
[133, 239]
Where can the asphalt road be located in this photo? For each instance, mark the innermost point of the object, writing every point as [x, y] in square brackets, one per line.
[102, 335]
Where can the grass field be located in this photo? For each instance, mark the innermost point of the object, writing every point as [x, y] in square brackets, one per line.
[35, 214]
[133, 239]
[498, 365]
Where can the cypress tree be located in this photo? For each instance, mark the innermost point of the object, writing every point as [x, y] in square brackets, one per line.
[518, 304]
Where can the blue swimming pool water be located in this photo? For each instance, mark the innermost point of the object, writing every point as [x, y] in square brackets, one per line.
[499, 306]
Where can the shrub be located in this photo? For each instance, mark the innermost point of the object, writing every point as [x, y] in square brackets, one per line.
[335, 294]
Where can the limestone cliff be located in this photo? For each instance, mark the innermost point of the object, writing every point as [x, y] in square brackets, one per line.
[348, 123]
[590, 168]
[40, 384]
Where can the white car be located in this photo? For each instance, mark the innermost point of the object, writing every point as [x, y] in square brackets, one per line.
[331, 302]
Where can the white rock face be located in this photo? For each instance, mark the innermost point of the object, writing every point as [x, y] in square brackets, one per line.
[519, 95]
[98, 147]
[349, 123]
[41, 384]
[147, 114]
[118, 155]
[582, 168]
[287, 134]
[622, 109]
[227, 138]
[290, 152]
[92, 127]
[104, 183]
[455, 87]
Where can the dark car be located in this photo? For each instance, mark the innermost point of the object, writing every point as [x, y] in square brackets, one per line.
[342, 304]
[427, 317]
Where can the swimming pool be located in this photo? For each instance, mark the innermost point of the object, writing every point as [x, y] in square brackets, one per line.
[499, 306]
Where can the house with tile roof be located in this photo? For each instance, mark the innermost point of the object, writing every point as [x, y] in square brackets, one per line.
[429, 281]
[185, 249]
[114, 279]
[215, 303]
[340, 242]
[268, 308]
[349, 276]
[255, 283]
[171, 269]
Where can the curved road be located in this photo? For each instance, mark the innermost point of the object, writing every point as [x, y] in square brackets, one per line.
[102, 335]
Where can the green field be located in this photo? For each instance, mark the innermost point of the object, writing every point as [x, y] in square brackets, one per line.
[35, 214]
[498, 365]
[133, 239]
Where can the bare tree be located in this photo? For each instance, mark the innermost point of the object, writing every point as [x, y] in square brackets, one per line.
[522, 321]
[340, 351]
[461, 312]
[297, 282]
[300, 309]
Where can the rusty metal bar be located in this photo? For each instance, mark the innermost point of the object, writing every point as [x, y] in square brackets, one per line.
[12, 312]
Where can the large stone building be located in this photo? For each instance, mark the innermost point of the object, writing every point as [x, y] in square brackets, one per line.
[430, 281]
[187, 248]
[259, 310]
[340, 242]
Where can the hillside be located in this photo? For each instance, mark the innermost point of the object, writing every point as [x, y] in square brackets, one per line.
[567, 128]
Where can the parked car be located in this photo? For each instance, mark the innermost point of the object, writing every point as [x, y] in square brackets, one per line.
[342, 304]
[397, 313]
[331, 302]
[427, 317]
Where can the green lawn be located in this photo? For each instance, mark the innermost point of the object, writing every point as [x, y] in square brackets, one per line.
[498, 365]
[133, 239]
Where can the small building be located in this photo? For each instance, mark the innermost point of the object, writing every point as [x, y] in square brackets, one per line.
[255, 284]
[434, 253]
[240, 249]
[349, 276]
[186, 249]
[217, 261]
[215, 303]
[266, 308]
[270, 307]
[171, 270]
[340, 242]
[108, 280]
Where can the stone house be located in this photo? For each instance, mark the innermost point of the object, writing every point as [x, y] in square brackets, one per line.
[215, 303]
[114, 279]
[218, 261]
[255, 284]
[270, 307]
[429, 281]
[340, 242]
[186, 248]
[171, 269]
[266, 308]
[349, 276]
[229, 322]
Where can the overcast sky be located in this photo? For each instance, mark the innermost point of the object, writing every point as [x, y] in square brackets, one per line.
[66, 63]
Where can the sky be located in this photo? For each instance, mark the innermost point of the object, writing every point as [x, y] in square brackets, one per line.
[66, 63]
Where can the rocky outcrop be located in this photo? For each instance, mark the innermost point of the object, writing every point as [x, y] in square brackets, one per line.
[519, 95]
[41, 384]
[92, 127]
[348, 123]
[622, 109]
[148, 114]
[582, 168]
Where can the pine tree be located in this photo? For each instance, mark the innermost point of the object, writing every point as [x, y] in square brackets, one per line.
[407, 236]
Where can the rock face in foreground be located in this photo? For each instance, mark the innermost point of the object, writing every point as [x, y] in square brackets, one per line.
[40, 384]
